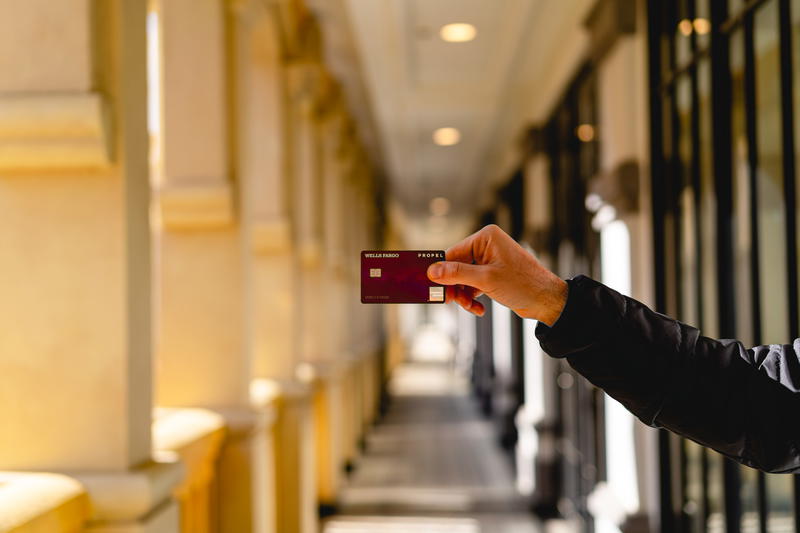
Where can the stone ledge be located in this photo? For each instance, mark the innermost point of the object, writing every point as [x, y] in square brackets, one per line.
[132, 495]
[198, 206]
[31, 502]
[196, 436]
[274, 392]
[53, 131]
[177, 429]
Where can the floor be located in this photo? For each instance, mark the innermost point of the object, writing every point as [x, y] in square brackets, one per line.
[432, 465]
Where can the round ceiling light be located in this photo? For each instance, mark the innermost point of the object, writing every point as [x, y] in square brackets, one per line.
[702, 26]
[458, 32]
[446, 136]
[585, 132]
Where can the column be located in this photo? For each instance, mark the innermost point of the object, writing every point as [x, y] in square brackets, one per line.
[352, 308]
[305, 76]
[331, 364]
[75, 256]
[203, 265]
[266, 140]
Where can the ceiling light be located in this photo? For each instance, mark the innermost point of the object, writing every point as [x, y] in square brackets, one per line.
[446, 136]
[585, 132]
[440, 206]
[458, 32]
[702, 26]
[685, 27]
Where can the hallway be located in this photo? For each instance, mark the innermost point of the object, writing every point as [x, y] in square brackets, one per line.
[431, 465]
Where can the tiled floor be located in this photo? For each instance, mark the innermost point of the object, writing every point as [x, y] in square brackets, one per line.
[431, 466]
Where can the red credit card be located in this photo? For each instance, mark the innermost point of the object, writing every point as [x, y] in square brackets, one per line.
[399, 277]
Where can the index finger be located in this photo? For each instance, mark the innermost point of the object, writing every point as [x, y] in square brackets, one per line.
[463, 251]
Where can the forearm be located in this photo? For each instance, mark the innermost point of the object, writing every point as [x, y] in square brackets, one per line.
[668, 375]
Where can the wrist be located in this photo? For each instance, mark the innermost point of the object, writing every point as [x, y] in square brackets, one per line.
[552, 301]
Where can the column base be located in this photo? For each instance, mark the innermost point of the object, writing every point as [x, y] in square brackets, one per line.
[196, 437]
[136, 501]
[296, 482]
[328, 390]
[247, 482]
[165, 519]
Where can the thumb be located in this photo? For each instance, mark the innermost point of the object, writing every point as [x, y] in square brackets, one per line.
[456, 273]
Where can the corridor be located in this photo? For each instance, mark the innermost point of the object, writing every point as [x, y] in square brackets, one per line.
[432, 464]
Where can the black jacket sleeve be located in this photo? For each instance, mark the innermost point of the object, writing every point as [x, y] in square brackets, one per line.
[743, 403]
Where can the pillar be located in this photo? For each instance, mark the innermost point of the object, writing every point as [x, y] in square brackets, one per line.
[75, 256]
[203, 264]
[266, 163]
[332, 363]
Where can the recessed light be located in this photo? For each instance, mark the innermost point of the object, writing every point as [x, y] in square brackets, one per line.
[446, 136]
[702, 26]
[440, 206]
[585, 132]
[458, 32]
[685, 27]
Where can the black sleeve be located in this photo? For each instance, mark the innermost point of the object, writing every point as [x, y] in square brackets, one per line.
[743, 403]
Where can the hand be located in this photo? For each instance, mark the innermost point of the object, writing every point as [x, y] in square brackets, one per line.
[492, 263]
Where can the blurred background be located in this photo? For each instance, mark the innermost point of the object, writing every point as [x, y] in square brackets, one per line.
[185, 186]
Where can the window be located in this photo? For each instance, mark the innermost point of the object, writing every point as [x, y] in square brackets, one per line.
[726, 236]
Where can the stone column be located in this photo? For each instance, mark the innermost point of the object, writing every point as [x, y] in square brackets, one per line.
[331, 364]
[352, 308]
[303, 435]
[203, 350]
[75, 256]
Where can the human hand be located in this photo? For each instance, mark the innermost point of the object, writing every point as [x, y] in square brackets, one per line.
[491, 262]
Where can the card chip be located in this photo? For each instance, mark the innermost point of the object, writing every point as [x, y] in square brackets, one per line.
[374, 272]
[436, 294]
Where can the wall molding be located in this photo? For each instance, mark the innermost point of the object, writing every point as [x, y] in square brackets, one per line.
[608, 21]
[271, 237]
[196, 206]
[54, 131]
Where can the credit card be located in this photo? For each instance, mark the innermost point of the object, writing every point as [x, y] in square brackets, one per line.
[399, 277]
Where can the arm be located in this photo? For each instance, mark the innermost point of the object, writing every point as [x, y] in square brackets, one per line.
[743, 403]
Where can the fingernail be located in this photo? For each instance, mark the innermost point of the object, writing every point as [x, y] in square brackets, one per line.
[435, 270]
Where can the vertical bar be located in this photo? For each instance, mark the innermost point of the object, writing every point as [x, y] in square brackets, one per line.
[706, 503]
[654, 35]
[686, 520]
[695, 181]
[721, 128]
[789, 190]
[733, 502]
[656, 153]
[752, 159]
[752, 156]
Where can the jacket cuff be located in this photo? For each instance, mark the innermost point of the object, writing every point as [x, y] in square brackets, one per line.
[591, 312]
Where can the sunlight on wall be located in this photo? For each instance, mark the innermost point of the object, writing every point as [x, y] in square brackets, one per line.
[623, 496]
[532, 410]
[154, 93]
[501, 339]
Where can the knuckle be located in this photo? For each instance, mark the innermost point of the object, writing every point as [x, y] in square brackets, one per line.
[489, 276]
